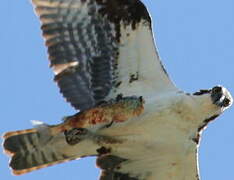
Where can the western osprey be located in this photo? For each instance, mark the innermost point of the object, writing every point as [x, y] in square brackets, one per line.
[131, 116]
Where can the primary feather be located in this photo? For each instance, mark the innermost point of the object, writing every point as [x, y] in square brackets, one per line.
[100, 48]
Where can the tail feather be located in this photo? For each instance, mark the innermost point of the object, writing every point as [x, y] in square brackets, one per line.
[16, 141]
[30, 152]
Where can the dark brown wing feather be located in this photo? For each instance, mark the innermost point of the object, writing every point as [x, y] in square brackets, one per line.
[86, 32]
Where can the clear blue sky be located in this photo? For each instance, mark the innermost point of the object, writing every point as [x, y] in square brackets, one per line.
[196, 44]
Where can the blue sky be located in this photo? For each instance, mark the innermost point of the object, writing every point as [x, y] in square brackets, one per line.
[195, 41]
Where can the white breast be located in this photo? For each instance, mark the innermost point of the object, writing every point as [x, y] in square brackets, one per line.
[160, 140]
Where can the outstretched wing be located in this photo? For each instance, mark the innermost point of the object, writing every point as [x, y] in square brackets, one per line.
[101, 48]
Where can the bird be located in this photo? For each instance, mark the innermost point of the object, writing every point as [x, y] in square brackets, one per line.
[130, 115]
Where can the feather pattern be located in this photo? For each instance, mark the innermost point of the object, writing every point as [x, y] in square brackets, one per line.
[95, 48]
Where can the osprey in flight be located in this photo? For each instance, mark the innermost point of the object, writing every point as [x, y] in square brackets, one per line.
[130, 114]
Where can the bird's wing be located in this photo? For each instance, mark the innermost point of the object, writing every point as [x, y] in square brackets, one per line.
[101, 48]
[149, 168]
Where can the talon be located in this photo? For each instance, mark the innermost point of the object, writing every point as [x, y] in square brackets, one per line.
[110, 124]
[75, 135]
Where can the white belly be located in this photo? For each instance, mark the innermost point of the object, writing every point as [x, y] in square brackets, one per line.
[161, 139]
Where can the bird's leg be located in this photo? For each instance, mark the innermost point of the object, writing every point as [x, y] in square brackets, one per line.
[109, 125]
[75, 135]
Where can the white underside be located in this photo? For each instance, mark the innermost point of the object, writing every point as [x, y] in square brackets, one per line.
[159, 143]
[138, 56]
